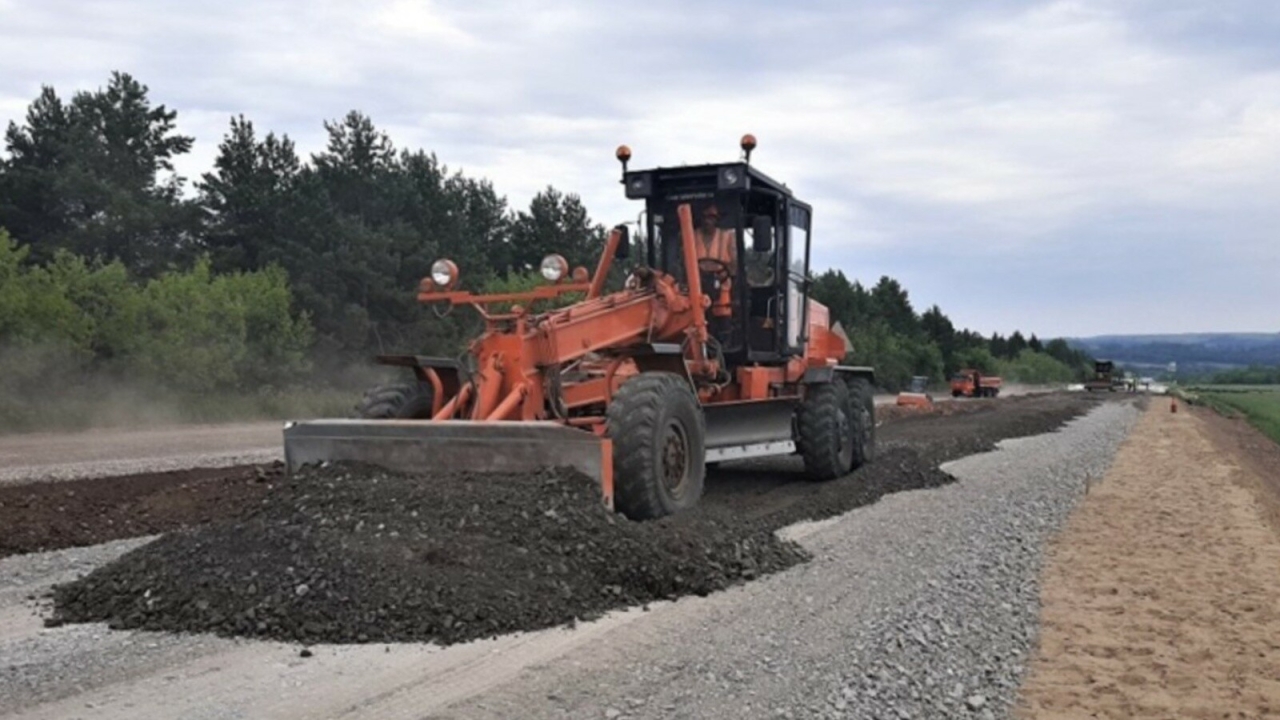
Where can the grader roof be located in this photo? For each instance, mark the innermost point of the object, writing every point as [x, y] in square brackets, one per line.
[721, 177]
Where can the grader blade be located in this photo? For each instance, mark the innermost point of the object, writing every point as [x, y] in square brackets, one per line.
[476, 446]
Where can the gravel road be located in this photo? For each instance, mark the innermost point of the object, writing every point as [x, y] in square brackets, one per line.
[921, 605]
[103, 453]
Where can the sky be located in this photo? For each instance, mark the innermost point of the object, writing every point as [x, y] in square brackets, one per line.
[1066, 168]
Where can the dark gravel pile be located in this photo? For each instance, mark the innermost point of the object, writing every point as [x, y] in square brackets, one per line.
[358, 554]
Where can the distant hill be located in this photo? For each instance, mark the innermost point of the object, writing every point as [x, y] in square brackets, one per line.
[1194, 352]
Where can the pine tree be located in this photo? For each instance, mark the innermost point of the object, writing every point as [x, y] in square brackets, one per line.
[95, 176]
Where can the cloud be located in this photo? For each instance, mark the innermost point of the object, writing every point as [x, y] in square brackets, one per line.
[966, 149]
[420, 21]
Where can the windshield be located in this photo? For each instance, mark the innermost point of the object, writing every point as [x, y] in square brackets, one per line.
[711, 216]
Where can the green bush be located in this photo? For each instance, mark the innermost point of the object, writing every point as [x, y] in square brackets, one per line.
[34, 306]
[71, 329]
[201, 332]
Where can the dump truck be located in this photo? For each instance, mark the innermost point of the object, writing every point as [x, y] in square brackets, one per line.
[699, 358]
[916, 394]
[1103, 376]
[970, 382]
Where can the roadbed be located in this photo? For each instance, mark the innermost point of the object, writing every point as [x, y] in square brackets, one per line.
[882, 585]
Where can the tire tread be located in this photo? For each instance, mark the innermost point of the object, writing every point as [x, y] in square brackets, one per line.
[633, 418]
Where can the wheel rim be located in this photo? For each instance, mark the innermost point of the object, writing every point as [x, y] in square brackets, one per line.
[674, 465]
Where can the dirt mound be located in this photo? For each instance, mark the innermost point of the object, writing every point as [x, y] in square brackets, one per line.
[354, 554]
[358, 554]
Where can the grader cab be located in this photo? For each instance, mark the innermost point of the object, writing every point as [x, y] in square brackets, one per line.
[713, 351]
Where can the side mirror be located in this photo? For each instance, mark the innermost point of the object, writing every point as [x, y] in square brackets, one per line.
[624, 243]
[761, 233]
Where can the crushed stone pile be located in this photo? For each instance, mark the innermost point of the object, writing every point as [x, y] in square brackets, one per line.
[359, 554]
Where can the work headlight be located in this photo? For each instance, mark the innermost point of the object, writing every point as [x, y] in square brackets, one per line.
[554, 268]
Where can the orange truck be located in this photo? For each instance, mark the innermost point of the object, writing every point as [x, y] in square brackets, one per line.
[972, 383]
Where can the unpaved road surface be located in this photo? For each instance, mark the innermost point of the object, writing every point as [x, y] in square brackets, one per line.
[88, 511]
[48, 516]
[1160, 596]
[115, 452]
[101, 453]
[920, 605]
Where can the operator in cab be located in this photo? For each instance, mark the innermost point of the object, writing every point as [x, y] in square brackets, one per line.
[717, 260]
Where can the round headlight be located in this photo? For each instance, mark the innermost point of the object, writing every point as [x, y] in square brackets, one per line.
[554, 267]
[444, 273]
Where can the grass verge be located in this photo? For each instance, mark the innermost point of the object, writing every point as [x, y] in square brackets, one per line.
[1260, 405]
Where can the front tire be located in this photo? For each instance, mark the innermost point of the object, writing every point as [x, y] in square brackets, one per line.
[397, 402]
[659, 446]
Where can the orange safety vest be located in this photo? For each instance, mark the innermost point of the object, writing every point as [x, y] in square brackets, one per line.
[723, 247]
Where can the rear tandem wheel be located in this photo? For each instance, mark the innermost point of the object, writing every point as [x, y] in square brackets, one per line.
[824, 429]
[862, 420]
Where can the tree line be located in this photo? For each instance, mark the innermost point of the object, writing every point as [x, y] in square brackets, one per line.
[1251, 375]
[272, 266]
[888, 333]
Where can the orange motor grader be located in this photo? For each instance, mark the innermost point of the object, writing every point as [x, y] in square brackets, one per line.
[697, 360]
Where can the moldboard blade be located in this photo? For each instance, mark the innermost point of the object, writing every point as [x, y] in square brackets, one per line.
[477, 446]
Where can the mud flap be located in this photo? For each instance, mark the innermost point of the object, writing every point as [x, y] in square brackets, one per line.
[476, 446]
